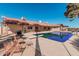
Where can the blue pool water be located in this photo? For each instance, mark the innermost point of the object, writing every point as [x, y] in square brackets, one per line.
[58, 38]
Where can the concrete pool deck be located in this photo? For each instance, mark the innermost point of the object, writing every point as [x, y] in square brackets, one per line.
[51, 47]
[45, 47]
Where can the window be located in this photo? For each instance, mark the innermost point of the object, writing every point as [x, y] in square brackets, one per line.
[36, 28]
[48, 28]
[44, 27]
[29, 27]
[11, 22]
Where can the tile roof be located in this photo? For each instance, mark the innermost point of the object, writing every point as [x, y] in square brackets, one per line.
[30, 22]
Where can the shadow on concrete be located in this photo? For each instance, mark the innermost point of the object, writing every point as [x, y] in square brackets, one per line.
[37, 50]
[75, 44]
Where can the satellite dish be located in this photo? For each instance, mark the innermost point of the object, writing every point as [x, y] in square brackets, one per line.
[40, 21]
[3, 17]
[23, 18]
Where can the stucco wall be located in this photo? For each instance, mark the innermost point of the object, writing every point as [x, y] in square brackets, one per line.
[14, 27]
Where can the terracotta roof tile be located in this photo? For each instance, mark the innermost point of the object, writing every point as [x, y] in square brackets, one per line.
[30, 22]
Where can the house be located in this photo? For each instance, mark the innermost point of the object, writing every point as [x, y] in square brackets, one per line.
[28, 26]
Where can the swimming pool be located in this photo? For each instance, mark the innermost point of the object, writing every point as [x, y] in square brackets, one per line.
[57, 36]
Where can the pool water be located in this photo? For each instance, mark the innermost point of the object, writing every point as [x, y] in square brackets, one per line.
[57, 36]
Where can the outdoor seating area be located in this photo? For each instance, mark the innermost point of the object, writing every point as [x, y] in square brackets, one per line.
[27, 44]
[41, 31]
[30, 45]
[13, 44]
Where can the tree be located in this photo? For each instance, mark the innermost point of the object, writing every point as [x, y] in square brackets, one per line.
[72, 11]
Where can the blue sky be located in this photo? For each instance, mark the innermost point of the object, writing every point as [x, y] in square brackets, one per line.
[53, 13]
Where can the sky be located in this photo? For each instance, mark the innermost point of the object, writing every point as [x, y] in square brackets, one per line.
[52, 13]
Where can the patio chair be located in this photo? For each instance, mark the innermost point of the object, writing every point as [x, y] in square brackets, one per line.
[19, 33]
